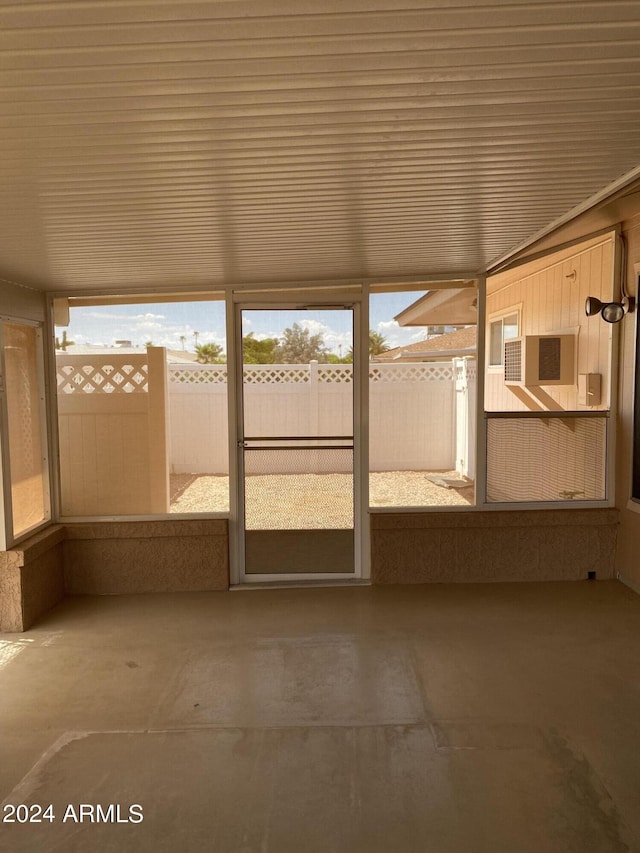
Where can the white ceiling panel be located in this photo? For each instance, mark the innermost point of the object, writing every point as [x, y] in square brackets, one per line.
[194, 144]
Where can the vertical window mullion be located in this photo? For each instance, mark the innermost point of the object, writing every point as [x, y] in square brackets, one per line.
[635, 478]
[6, 513]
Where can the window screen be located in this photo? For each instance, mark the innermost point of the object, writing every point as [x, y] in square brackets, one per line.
[142, 409]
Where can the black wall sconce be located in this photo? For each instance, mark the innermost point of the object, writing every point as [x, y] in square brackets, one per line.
[611, 312]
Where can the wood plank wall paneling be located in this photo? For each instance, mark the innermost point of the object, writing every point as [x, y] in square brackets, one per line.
[552, 300]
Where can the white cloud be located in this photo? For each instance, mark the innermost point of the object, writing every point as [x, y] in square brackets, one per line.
[315, 326]
[149, 317]
[336, 341]
[99, 315]
[148, 325]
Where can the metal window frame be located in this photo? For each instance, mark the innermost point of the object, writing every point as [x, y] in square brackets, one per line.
[7, 537]
[499, 317]
[602, 414]
[100, 298]
[634, 497]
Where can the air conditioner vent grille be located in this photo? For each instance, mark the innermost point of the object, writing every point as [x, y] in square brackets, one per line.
[513, 360]
[549, 363]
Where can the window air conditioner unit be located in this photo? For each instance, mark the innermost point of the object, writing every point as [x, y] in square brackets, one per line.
[540, 360]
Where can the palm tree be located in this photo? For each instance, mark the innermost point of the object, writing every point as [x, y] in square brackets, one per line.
[183, 338]
[377, 343]
[208, 353]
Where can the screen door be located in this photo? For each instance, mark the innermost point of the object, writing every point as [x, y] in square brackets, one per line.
[296, 443]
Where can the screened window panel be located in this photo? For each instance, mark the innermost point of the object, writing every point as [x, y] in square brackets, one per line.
[142, 407]
[422, 399]
[546, 459]
[26, 440]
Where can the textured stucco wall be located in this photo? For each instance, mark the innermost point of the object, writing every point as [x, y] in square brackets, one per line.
[31, 579]
[110, 558]
[456, 547]
[147, 556]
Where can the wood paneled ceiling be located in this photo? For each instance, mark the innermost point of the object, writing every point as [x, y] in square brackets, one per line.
[193, 144]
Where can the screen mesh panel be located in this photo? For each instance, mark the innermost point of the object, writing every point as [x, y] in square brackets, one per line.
[25, 439]
[546, 459]
[298, 489]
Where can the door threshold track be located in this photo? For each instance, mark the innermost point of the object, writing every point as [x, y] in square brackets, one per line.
[299, 584]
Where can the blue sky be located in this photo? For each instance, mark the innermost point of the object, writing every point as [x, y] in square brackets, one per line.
[164, 323]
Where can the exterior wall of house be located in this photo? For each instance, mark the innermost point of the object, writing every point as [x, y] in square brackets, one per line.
[551, 299]
[623, 210]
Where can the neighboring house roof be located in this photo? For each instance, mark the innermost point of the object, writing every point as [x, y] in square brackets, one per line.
[98, 349]
[453, 306]
[458, 343]
[173, 356]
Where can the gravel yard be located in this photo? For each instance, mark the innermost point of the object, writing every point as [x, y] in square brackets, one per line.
[314, 500]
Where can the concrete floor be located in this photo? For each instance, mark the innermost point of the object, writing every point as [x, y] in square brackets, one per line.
[386, 720]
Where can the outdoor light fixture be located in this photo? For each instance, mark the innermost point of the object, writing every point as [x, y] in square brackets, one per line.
[611, 312]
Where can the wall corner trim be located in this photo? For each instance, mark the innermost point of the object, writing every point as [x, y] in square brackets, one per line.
[634, 585]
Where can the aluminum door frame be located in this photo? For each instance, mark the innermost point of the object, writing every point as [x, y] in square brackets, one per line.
[238, 302]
